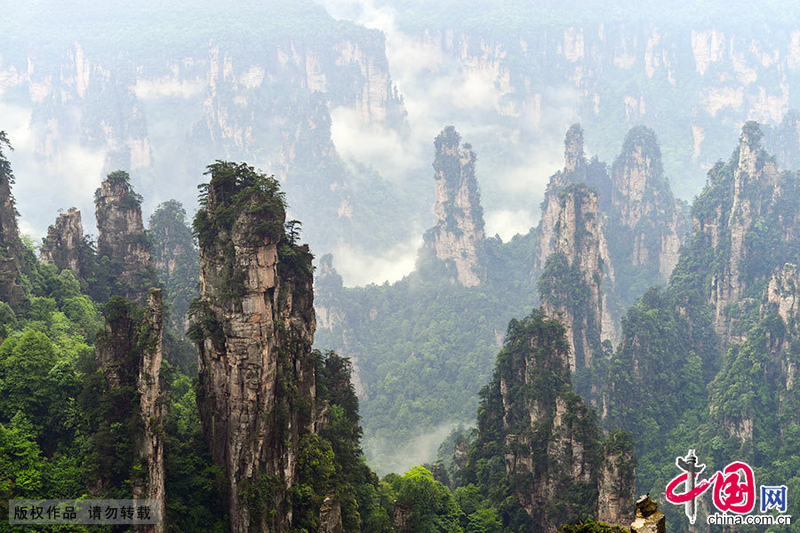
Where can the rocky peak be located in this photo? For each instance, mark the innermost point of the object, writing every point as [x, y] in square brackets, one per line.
[638, 176]
[63, 246]
[653, 221]
[743, 200]
[749, 150]
[648, 518]
[11, 248]
[573, 148]
[458, 235]
[783, 293]
[552, 448]
[254, 326]
[570, 285]
[129, 354]
[122, 237]
[616, 487]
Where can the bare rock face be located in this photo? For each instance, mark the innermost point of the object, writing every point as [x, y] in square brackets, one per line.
[731, 286]
[254, 326]
[458, 235]
[571, 282]
[616, 482]
[150, 445]
[573, 149]
[552, 448]
[644, 203]
[648, 518]
[745, 202]
[122, 237]
[783, 292]
[556, 231]
[11, 248]
[64, 242]
[129, 354]
[331, 516]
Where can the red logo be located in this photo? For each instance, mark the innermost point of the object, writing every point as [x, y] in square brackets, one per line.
[734, 488]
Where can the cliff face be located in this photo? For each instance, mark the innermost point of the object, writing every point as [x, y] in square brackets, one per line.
[458, 235]
[577, 170]
[63, 246]
[553, 455]
[644, 205]
[631, 224]
[11, 249]
[176, 261]
[745, 210]
[254, 325]
[706, 77]
[128, 106]
[571, 282]
[129, 354]
[149, 445]
[573, 224]
[122, 238]
[616, 480]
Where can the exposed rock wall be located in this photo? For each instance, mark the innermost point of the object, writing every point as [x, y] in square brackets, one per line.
[129, 354]
[783, 297]
[122, 237]
[256, 322]
[643, 204]
[458, 235]
[746, 203]
[554, 229]
[783, 293]
[571, 282]
[716, 78]
[150, 444]
[552, 449]
[63, 246]
[616, 487]
[11, 249]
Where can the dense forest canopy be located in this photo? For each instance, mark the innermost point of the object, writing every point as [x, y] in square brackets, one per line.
[403, 300]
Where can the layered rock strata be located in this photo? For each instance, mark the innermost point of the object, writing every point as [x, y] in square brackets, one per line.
[129, 354]
[122, 238]
[570, 285]
[552, 449]
[254, 324]
[459, 232]
[63, 246]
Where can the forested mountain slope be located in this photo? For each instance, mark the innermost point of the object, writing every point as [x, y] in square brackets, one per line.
[423, 346]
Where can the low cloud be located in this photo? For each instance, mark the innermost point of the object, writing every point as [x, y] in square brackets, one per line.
[385, 457]
[358, 267]
[373, 145]
[168, 87]
[50, 175]
[507, 223]
[518, 136]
